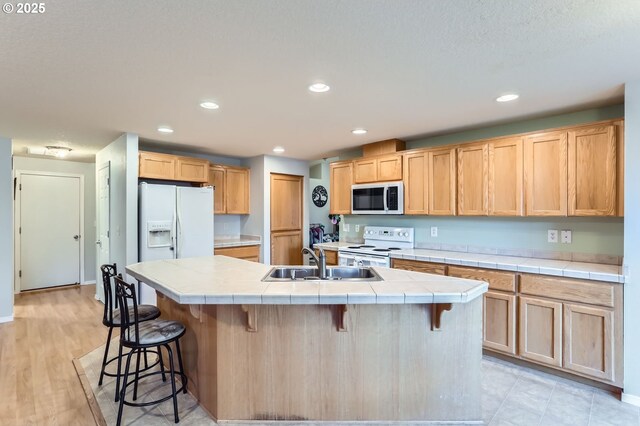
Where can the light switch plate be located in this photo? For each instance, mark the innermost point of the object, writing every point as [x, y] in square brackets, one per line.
[434, 231]
[565, 236]
[552, 236]
[345, 227]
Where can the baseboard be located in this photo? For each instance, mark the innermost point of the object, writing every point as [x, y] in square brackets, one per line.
[89, 282]
[630, 399]
[6, 319]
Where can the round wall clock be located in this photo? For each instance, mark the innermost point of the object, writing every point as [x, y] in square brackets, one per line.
[319, 196]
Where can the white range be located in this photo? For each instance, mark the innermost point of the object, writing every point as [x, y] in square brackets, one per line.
[379, 243]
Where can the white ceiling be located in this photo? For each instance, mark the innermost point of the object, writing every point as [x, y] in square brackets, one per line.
[86, 71]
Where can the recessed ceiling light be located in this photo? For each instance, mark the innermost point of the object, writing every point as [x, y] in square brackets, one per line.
[165, 129]
[507, 98]
[209, 105]
[278, 150]
[319, 87]
[359, 131]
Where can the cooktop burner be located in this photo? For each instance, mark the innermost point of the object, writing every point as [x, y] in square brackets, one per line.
[367, 246]
[381, 249]
[395, 248]
[354, 247]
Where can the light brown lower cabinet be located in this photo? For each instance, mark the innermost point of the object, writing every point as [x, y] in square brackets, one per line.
[331, 256]
[589, 340]
[499, 322]
[251, 253]
[540, 330]
[415, 265]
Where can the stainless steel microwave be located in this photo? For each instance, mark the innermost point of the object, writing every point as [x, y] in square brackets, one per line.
[377, 198]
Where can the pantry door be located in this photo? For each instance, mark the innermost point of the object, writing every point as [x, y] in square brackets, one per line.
[49, 230]
[286, 219]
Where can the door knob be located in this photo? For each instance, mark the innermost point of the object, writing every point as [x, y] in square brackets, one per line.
[76, 237]
[99, 243]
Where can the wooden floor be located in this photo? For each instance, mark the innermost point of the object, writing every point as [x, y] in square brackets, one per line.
[38, 383]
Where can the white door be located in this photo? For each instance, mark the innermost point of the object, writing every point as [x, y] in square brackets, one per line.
[194, 222]
[50, 239]
[102, 231]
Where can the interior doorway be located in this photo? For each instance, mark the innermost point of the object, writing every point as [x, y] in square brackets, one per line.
[286, 219]
[49, 230]
[103, 232]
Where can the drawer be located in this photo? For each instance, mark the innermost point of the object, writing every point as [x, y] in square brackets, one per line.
[568, 289]
[498, 280]
[332, 256]
[251, 253]
[416, 265]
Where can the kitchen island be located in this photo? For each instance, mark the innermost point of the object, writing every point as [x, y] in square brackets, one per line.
[406, 348]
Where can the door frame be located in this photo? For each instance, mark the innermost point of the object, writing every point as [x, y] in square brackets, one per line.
[17, 199]
[106, 164]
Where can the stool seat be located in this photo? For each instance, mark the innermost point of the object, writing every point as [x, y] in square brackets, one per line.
[145, 313]
[155, 332]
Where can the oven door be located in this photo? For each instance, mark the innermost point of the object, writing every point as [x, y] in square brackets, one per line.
[358, 260]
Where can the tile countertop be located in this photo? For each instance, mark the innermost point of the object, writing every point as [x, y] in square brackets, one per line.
[220, 280]
[560, 268]
[236, 241]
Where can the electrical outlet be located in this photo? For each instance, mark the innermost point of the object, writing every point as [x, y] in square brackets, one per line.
[345, 227]
[357, 228]
[552, 236]
[565, 236]
[434, 231]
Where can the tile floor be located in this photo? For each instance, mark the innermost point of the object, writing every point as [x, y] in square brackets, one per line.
[512, 395]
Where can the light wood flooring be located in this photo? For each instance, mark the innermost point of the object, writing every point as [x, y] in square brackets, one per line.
[38, 382]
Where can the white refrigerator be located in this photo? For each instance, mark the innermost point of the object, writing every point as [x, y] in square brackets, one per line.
[175, 222]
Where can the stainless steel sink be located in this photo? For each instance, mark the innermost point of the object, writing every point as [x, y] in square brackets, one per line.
[344, 273]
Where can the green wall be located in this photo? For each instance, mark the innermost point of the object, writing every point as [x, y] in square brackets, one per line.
[590, 235]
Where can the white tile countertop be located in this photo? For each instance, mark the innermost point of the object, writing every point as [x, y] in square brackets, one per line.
[560, 268]
[222, 280]
[236, 241]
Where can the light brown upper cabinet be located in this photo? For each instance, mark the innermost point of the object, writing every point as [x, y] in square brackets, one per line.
[157, 166]
[505, 177]
[217, 180]
[154, 165]
[192, 169]
[592, 171]
[473, 180]
[415, 167]
[442, 181]
[231, 194]
[378, 169]
[341, 179]
[545, 174]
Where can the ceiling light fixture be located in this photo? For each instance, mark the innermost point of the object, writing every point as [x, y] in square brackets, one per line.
[165, 129]
[507, 98]
[58, 151]
[278, 150]
[319, 87]
[359, 131]
[209, 105]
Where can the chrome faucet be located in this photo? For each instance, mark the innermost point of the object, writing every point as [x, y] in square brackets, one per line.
[321, 261]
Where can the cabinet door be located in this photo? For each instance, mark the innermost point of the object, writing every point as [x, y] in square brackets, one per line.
[415, 183]
[330, 255]
[217, 180]
[498, 325]
[473, 177]
[545, 174]
[341, 177]
[592, 171]
[389, 167]
[505, 177]
[237, 190]
[442, 181]
[540, 330]
[286, 248]
[157, 166]
[588, 341]
[286, 202]
[365, 170]
[192, 169]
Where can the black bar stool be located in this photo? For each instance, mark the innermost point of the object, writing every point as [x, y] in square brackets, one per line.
[139, 336]
[111, 319]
